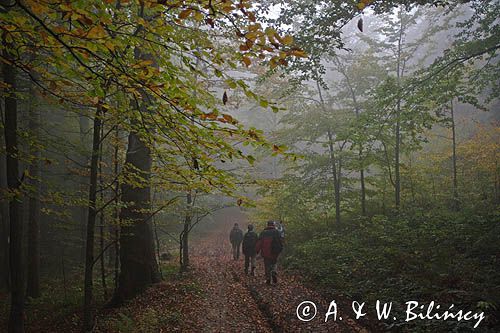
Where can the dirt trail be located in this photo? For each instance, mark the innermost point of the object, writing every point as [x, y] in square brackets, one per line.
[234, 302]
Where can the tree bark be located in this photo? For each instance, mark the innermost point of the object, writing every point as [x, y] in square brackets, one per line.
[139, 268]
[102, 221]
[88, 311]
[16, 319]
[116, 225]
[456, 201]
[185, 233]
[84, 127]
[33, 287]
[4, 223]
[336, 177]
[397, 130]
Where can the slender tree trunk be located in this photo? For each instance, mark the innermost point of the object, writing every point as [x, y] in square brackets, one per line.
[333, 162]
[33, 287]
[336, 177]
[88, 311]
[185, 233]
[84, 127]
[158, 246]
[397, 149]
[102, 221]
[116, 225]
[362, 181]
[354, 98]
[16, 319]
[456, 201]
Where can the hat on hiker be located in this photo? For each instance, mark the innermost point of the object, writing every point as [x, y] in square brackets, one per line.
[270, 223]
[250, 227]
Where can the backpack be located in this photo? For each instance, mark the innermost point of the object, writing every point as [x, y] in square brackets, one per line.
[276, 245]
[249, 242]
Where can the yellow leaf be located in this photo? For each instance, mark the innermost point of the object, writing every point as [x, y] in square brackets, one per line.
[288, 40]
[299, 53]
[227, 8]
[96, 31]
[198, 16]
[109, 45]
[361, 5]
[254, 27]
[252, 35]
[37, 8]
[273, 63]
[270, 32]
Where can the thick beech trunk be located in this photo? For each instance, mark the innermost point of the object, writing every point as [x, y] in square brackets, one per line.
[139, 268]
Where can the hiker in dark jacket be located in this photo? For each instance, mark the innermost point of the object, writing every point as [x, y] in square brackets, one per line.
[235, 237]
[248, 247]
[270, 246]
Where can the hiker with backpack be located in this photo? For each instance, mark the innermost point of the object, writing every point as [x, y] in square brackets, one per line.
[248, 247]
[270, 246]
[235, 237]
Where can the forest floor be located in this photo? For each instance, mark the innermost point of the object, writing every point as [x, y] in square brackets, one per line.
[235, 302]
[214, 296]
[217, 296]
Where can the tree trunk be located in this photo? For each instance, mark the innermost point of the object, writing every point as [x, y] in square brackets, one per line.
[397, 149]
[397, 177]
[88, 315]
[360, 154]
[336, 177]
[333, 162]
[456, 201]
[33, 287]
[4, 223]
[139, 268]
[185, 233]
[102, 221]
[84, 127]
[16, 319]
[362, 181]
[116, 225]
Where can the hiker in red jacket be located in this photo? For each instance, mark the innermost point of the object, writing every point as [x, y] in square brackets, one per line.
[269, 245]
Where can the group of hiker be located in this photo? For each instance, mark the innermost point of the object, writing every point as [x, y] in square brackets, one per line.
[268, 244]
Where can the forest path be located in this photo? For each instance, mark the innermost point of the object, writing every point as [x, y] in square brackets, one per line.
[235, 302]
